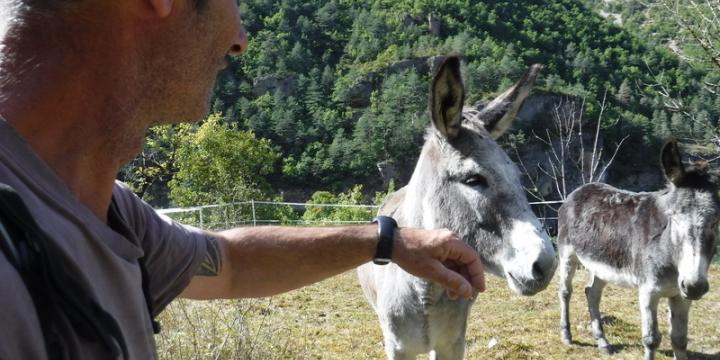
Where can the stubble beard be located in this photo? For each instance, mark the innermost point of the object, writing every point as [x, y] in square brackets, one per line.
[175, 96]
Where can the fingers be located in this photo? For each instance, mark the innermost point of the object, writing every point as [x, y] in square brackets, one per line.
[439, 256]
[475, 273]
[455, 284]
[469, 263]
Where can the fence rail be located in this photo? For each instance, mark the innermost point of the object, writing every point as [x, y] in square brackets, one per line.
[246, 213]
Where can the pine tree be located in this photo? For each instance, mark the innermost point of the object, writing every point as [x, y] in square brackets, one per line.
[624, 93]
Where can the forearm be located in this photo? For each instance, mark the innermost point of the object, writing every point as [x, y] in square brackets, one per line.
[264, 261]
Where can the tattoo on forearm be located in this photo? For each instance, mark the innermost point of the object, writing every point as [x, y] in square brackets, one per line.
[212, 263]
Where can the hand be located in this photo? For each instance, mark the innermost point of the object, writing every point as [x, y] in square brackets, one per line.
[439, 256]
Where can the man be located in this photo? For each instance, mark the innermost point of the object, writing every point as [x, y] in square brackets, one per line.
[80, 83]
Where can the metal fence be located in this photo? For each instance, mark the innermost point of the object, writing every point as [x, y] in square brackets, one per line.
[254, 213]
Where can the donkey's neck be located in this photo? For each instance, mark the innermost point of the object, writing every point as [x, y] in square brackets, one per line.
[664, 200]
[417, 209]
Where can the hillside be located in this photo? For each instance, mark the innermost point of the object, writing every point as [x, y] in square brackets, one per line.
[339, 86]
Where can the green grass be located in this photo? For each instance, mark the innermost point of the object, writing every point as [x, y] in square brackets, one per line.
[332, 320]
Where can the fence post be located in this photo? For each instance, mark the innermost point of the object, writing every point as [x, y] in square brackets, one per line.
[252, 202]
[201, 217]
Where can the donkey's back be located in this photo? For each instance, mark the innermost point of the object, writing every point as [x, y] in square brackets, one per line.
[610, 230]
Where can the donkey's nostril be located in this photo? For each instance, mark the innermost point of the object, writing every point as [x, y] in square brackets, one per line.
[537, 271]
[695, 290]
[700, 288]
[705, 287]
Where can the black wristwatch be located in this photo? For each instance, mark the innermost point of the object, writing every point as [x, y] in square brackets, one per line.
[386, 235]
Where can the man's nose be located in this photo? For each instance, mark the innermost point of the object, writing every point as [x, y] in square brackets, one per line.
[240, 43]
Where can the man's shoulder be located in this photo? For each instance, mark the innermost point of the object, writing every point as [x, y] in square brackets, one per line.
[132, 209]
[123, 192]
[143, 219]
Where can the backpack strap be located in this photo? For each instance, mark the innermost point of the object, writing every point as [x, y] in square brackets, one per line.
[58, 293]
[146, 292]
[119, 223]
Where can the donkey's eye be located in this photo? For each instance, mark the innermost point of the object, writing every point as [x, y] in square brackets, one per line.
[476, 181]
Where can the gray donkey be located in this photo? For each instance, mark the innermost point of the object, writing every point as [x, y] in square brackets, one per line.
[465, 182]
[659, 242]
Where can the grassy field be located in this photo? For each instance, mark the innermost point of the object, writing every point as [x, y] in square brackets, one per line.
[332, 320]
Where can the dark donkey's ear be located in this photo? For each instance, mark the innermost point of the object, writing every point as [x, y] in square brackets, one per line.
[500, 113]
[447, 96]
[671, 162]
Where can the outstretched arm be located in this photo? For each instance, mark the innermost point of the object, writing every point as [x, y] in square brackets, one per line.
[267, 260]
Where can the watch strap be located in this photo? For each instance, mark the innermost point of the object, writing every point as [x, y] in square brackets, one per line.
[386, 237]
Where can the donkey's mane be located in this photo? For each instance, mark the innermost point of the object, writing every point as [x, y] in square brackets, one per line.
[470, 113]
[699, 180]
[470, 119]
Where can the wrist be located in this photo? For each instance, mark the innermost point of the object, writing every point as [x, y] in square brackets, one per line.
[387, 227]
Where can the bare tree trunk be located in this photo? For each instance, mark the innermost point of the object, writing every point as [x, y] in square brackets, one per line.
[566, 153]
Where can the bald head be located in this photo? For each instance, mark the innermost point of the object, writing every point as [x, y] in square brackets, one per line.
[39, 5]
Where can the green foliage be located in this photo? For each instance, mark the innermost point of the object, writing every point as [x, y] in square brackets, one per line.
[380, 195]
[338, 86]
[393, 126]
[320, 213]
[353, 197]
[335, 214]
[343, 51]
[156, 164]
[684, 80]
[219, 163]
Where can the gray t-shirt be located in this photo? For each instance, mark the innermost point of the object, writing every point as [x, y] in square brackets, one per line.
[108, 256]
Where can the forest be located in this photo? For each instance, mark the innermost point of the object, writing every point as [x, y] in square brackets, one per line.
[329, 92]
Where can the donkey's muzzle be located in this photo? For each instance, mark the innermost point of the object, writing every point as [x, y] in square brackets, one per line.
[541, 274]
[694, 290]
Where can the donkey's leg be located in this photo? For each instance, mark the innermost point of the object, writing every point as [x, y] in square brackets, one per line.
[679, 309]
[568, 265]
[593, 293]
[648, 313]
[395, 351]
[454, 351]
[399, 355]
[402, 336]
[451, 350]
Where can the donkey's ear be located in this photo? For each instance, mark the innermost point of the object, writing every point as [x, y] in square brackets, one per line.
[447, 96]
[671, 162]
[500, 113]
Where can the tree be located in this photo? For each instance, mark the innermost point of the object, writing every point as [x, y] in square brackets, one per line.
[220, 164]
[392, 129]
[319, 213]
[698, 43]
[699, 23]
[314, 98]
[571, 162]
[156, 164]
[329, 56]
[353, 209]
[624, 93]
